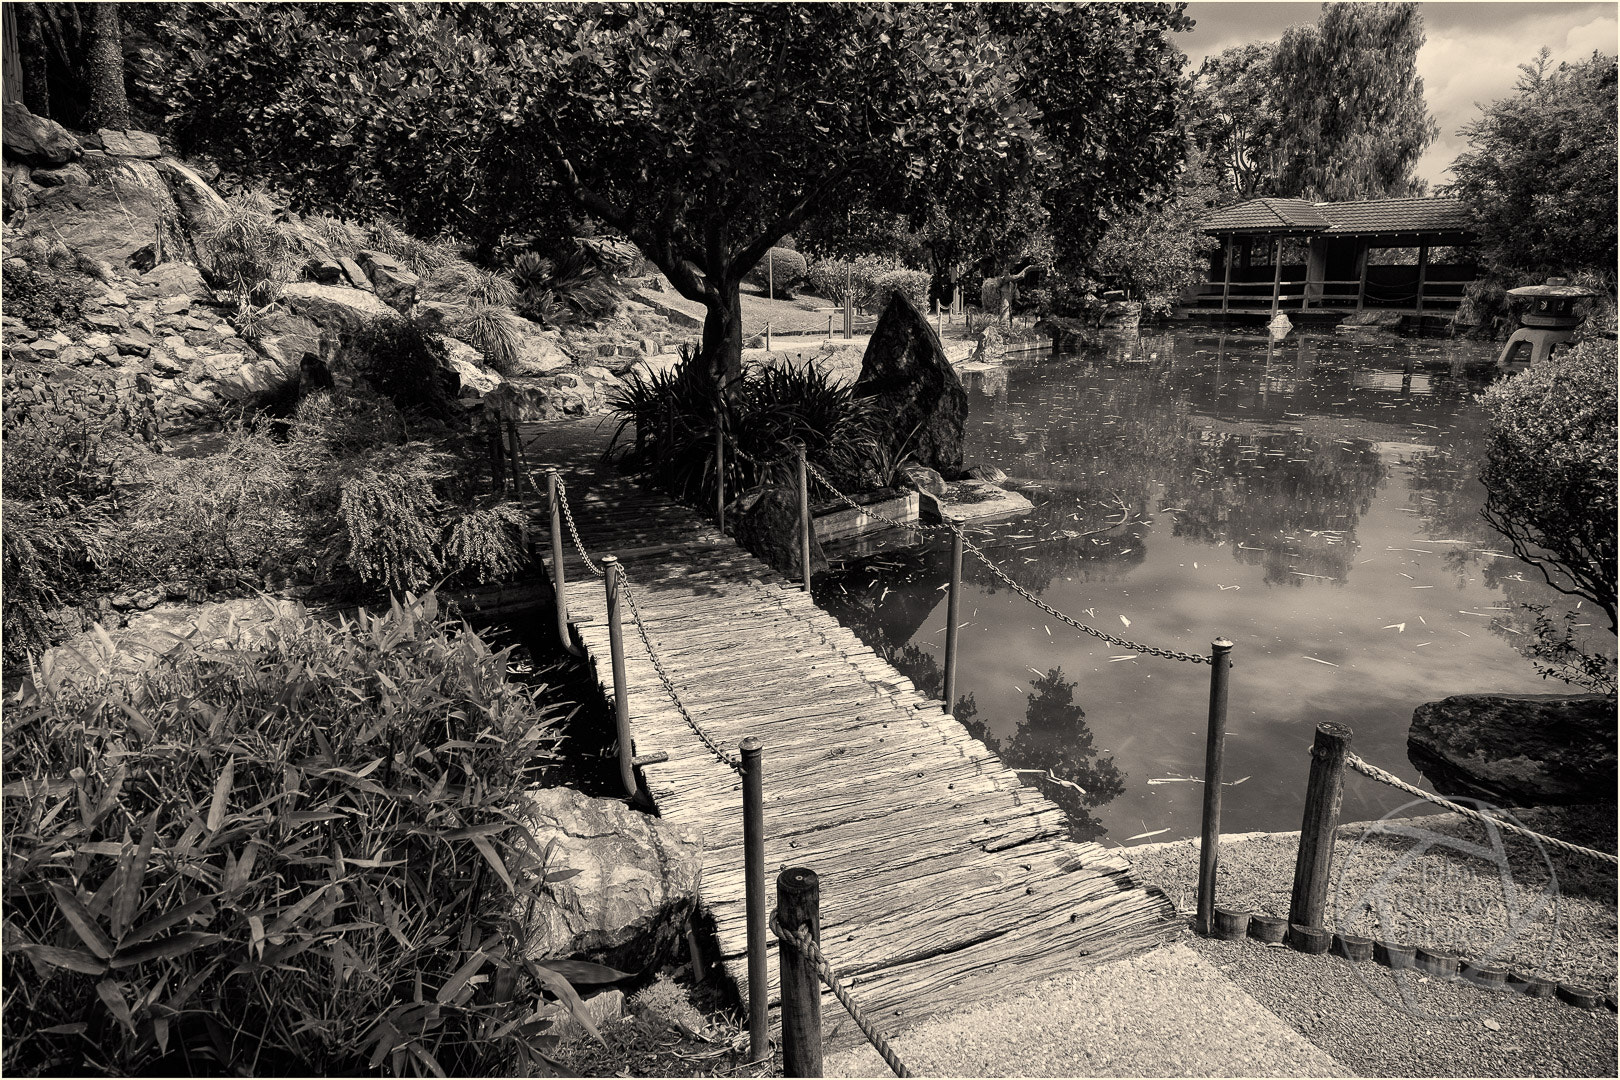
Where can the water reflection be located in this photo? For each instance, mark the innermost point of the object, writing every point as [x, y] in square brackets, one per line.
[1315, 500]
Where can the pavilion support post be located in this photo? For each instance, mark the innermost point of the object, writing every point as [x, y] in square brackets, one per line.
[1423, 274]
[1276, 273]
[1362, 251]
[1226, 281]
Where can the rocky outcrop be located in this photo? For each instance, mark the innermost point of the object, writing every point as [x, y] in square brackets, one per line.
[334, 307]
[395, 285]
[915, 389]
[1522, 750]
[129, 143]
[636, 882]
[35, 140]
[140, 627]
[768, 526]
[553, 397]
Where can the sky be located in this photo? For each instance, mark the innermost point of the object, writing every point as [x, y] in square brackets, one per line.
[1472, 52]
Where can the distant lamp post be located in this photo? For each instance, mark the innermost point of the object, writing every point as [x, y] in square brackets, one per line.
[1548, 320]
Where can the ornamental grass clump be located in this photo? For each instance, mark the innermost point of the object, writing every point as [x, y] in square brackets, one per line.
[308, 857]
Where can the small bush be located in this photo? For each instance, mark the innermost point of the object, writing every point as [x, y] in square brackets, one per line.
[421, 257]
[342, 239]
[462, 282]
[404, 360]
[787, 267]
[869, 279]
[44, 299]
[912, 283]
[305, 858]
[561, 290]
[496, 332]
[251, 250]
[393, 537]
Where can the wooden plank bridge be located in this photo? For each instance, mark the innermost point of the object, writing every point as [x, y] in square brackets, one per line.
[944, 880]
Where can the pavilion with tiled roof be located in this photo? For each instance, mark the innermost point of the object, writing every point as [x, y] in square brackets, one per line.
[1341, 267]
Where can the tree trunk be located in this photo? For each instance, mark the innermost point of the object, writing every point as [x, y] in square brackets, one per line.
[31, 52]
[722, 334]
[104, 70]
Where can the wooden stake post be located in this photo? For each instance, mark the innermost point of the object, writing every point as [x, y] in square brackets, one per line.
[753, 781]
[798, 906]
[553, 482]
[953, 610]
[804, 516]
[1214, 752]
[719, 477]
[621, 694]
[1323, 794]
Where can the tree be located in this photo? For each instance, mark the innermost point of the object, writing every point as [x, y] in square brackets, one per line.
[1550, 471]
[104, 70]
[1333, 111]
[1539, 173]
[1155, 252]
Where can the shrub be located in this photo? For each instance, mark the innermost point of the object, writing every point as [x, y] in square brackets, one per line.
[1549, 473]
[393, 539]
[496, 332]
[913, 283]
[43, 299]
[560, 290]
[251, 251]
[404, 360]
[787, 267]
[305, 858]
[342, 239]
[422, 257]
[674, 413]
[459, 281]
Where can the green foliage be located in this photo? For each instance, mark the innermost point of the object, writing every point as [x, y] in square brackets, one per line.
[780, 267]
[912, 283]
[1539, 173]
[1333, 111]
[1550, 473]
[565, 288]
[869, 279]
[673, 414]
[43, 298]
[486, 544]
[252, 251]
[404, 360]
[1155, 252]
[308, 857]
[496, 332]
[390, 520]
[1558, 651]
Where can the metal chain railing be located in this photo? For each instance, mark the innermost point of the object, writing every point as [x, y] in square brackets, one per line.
[807, 948]
[913, 526]
[1375, 773]
[669, 684]
[758, 463]
[573, 529]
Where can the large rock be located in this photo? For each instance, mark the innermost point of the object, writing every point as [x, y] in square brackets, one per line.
[476, 381]
[333, 307]
[130, 143]
[768, 526]
[540, 352]
[285, 339]
[1525, 750]
[198, 203]
[637, 883]
[176, 279]
[916, 390]
[125, 209]
[36, 140]
[394, 284]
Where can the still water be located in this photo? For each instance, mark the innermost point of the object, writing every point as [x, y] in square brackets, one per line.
[1315, 501]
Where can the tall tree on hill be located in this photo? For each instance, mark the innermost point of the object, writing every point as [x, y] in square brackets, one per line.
[104, 69]
[1333, 111]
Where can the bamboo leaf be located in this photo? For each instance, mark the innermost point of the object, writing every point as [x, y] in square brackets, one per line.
[72, 959]
[134, 870]
[202, 906]
[113, 998]
[584, 973]
[493, 858]
[222, 793]
[464, 973]
[83, 923]
[164, 948]
[559, 986]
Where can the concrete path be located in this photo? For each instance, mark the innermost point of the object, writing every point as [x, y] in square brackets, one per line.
[1162, 1013]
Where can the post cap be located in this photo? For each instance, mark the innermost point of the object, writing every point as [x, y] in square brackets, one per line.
[751, 745]
[1221, 643]
[798, 879]
[610, 559]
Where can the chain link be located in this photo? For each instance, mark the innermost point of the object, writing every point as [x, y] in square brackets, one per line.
[579, 545]
[1374, 772]
[663, 677]
[807, 948]
[760, 463]
[916, 526]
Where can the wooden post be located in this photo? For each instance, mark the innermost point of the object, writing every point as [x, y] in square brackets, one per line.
[553, 483]
[1209, 850]
[829, 327]
[770, 278]
[519, 471]
[798, 906]
[753, 787]
[849, 302]
[719, 476]
[1323, 793]
[1226, 282]
[1423, 274]
[805, 524]
[621, 693]
[953, 610]
[1363, 250]
[1276, 273]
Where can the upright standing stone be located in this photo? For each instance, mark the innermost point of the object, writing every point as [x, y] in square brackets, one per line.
[916, 389]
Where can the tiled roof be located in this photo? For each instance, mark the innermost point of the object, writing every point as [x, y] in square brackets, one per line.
[1342, 219]
[1398, 215]
[1264, 214]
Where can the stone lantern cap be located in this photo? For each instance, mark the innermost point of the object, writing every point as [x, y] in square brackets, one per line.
[1552, 292]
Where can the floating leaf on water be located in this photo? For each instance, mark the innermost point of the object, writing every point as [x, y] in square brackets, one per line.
[1145, 835]
[1396, 626]
[1314, 660]
[1124, 620]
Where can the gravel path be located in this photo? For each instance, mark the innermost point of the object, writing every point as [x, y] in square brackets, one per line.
[1164, 1013]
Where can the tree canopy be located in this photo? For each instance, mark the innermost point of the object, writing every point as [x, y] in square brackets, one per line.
[1333, 111]
[1539, 173]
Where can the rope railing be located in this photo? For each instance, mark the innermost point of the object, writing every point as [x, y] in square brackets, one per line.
[802, 941]
[1373, 772]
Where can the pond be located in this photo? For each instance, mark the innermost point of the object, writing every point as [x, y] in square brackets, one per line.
[1314, 500]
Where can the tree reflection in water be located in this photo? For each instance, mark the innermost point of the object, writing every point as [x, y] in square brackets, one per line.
[886, 599]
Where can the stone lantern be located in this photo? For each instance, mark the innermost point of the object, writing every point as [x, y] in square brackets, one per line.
[1549, 319]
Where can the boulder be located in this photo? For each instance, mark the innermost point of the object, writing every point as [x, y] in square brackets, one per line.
[914, 387]
[394, 284]
[60, 175]
[198, 202]
[988, 473]
[175, 279]
[922, 478]
[125, 215]
[637, 880]
[357, 277]
[1069, 334]
[476, 381]
[1524, 750]
[540, 352]
[334, 308]
[326, 271]
[129, 143]
[1121, 315]
[286, 338]
[36, 140]
[768, 526]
